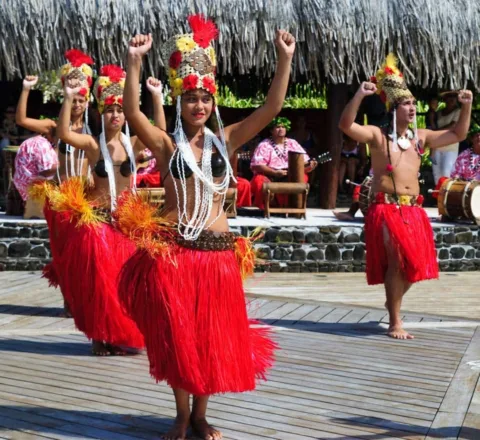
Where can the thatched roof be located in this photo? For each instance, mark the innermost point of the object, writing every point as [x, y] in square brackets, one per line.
[339, 40]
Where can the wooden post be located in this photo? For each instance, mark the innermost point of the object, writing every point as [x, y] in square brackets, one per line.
[336, 100]
[296, 172]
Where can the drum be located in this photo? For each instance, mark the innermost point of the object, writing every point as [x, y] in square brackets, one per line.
[460, 199]
[366, 195]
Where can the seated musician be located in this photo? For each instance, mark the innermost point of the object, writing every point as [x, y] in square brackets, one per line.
[270, 160]
[467, 165]
[36, 160]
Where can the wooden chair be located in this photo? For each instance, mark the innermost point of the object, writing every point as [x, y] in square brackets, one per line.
[290, 188]
[296, 188]
[230, 205]
[33, 210]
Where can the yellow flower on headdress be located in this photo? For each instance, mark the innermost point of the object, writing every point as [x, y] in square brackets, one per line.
[177, 86]
[104, 81]
[122, 83]
[87, 70]
[172, 74]
[65, 69]
[185, 44]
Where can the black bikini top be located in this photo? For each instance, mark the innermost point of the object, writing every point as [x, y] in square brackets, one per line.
[219, 167]
[101, 171]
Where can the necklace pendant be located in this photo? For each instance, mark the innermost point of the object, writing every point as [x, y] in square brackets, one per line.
[404, 143]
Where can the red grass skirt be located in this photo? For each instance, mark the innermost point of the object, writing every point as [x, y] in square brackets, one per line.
[58, 223]
[191, 310]
[413, 242]
[91, 261]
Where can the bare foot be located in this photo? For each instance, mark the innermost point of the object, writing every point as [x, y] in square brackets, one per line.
[66, 311]
[345, 216]
[397, 332]
[203, 430]
[115, 350]
[99, 349]
[179, 429]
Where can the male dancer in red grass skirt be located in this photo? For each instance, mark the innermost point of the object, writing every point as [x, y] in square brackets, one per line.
[399, 237]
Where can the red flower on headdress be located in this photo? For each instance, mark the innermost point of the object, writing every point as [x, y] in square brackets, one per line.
[204, 31]
[209, 85]
[110, 100]
[400, 75]
[120, 101]
[83, 91]
[373, 79]
[89, 81]
[99, 90]
[76, 57]
[383, 96]
[388, 71]
[114, 72]
[175, 59]
[190, 82]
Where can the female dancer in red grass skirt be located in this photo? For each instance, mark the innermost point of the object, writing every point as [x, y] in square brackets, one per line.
[94, 251]
[183, 287]
[71, 162]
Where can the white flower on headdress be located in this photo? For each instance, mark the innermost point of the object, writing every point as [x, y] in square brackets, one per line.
[185, 44]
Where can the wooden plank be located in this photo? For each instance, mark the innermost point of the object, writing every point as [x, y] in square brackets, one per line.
[459, 394]
[335, 315]
[316, 315]
[268, 307]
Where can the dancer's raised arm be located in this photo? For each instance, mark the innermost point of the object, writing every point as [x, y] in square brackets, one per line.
[241, 132]
[151, 136]
[40, 126]
[155, 87]
[458, 131]
[78, 140]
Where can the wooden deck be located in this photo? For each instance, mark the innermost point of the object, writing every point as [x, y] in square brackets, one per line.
[337, 376]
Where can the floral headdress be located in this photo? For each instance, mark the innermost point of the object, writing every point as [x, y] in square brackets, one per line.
[280, 121]
[191, 59]
[474, 129]
[390, 82]
[392, 89]
[109, 86]
[78, 67]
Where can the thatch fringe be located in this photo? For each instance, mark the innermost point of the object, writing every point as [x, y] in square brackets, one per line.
[339, 40]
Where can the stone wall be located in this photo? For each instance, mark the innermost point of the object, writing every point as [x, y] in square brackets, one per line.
[25, 246]
[342, 249]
